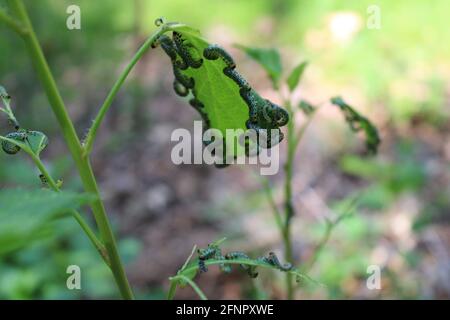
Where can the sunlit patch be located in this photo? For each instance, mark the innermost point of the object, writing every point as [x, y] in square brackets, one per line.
[343, 26]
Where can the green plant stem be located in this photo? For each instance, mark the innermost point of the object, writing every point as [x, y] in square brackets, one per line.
[329, 228]
[82, 163]
[276, 213]
[54, 186]
[189, 270]
[11, 23]
[194, 286]
[92, 133]
[288, 205]
[83, 224]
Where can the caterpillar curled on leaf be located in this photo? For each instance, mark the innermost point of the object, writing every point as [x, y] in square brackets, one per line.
[251, 103]
[171, 50]
[202, 266]
[214, 52]
[251, 270]
[199, 106]
[186, 81]
[167, 45]
[272, 259]
[208, 253]
[179, 89]
[274, 114]
[237, 78]
[236, 255]
[186, 51]
[205, 254]
[11, 148]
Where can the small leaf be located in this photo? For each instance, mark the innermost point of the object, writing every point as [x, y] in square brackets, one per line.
[24, 215]
[296, 75]
[358, 122]
[306, 107]
[269, 59]
[37, 141]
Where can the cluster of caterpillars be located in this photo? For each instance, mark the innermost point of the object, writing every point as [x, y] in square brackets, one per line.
[263, 114]
[214, 252]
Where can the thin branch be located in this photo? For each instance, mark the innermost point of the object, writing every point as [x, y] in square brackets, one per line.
[12, 23]
[54, 186]
[92, 133]
[269, 194]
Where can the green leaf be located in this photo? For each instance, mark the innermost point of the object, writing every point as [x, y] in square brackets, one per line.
[269, 59]
[296, 75]
[358, 122]
[26, 215]
[307, 108]
[37, 141]
[223, 106]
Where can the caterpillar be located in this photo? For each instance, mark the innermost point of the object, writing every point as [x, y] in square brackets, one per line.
[202, 266]
[251, 270]
[237, 78]
[199, 106]
[214, 52]
[208, 253]
[11, 148]
[272, 259]
[251, 103]
[44, 180]
[275, 114]
[179, 89]
[167, 45]
[183, 50]
[205, 254]
[171, 50]
[186, 81]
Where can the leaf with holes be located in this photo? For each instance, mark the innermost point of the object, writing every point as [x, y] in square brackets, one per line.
[215, 85]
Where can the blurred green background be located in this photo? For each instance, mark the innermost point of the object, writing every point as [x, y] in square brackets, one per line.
[397, 75]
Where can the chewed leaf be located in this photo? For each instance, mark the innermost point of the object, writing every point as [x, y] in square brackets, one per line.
[358, 122]
[29, 140]
[269, 59]
[206, 74]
